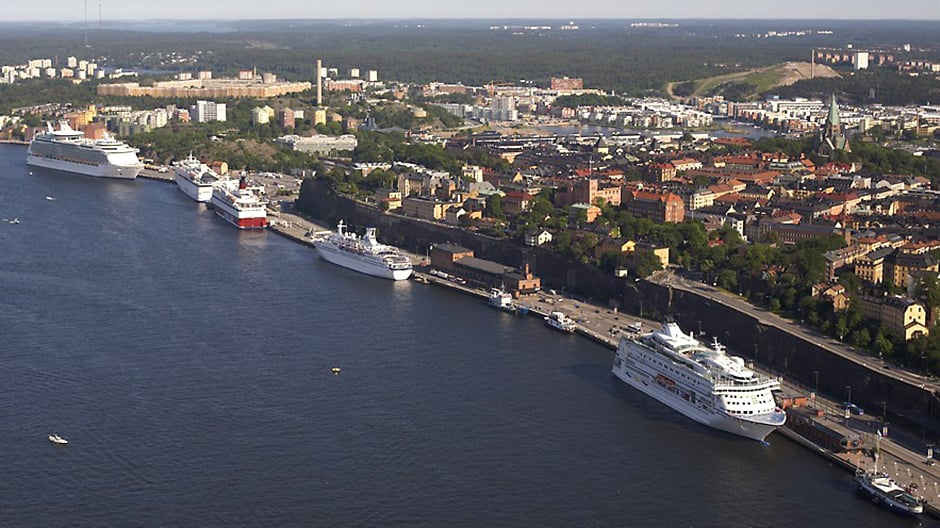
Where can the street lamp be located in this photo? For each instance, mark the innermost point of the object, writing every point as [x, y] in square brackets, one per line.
[815, 387]
[884, 424]
[849, 389]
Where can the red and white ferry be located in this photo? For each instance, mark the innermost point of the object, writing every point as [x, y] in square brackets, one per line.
[241, 207]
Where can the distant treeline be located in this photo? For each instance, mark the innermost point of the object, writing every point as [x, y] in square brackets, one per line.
[607, 54]
[879, 86]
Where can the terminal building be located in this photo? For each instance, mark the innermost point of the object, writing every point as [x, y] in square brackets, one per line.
[460, 261]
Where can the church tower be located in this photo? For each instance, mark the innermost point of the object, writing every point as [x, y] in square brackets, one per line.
[831, 136]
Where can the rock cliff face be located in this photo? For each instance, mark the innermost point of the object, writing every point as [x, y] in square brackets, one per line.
[777, 349]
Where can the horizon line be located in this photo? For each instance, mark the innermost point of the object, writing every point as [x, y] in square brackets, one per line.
[550, 18]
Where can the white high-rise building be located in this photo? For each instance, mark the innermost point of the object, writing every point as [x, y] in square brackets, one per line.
[205, 111]
[372, 76]
[72, 62]
[354, 73]
[860, 60]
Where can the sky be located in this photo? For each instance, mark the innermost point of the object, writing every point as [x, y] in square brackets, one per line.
[73, 10]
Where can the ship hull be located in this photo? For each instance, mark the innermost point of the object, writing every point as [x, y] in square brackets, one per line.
[121, 172]
[878, 496]
[237, 218]
[200, 193]
[335, 256]
[651, 387]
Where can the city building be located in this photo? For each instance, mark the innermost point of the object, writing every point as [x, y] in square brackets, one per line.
[320, 143]
[287, 118]
[902, 266]
[905, 317]
[195, 88]
[426, 208]
[460, 261]
[870, 267]
[260, 115]
[659, 207]
[537, 237]
[587, 212]
[567, 84]
[205, 111]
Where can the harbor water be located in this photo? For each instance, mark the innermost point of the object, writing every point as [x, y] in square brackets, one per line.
[190, 366]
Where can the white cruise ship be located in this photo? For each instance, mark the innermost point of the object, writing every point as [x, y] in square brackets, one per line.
[365, 255]
[197, 180]
[703, 383]
[242, 207]
[68, 150]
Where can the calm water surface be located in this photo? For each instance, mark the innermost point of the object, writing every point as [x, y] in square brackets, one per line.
[189, 366]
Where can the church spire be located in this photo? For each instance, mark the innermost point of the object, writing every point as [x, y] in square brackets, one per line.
[831, 135]
[833, 118]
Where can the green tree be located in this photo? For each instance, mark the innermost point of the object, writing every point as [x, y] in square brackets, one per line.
[494, 207]
[860, 338]
[882, 345]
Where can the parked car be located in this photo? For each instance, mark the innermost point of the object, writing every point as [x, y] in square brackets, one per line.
[852, 408]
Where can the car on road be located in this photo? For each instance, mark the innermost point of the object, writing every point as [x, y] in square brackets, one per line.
[852, 408]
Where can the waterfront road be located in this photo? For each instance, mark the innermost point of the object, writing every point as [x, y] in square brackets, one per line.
[768, 318]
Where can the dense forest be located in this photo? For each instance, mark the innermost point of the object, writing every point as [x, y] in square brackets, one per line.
[882, 86]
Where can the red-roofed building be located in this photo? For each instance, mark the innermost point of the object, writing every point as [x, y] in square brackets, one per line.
[516, 202]
[589, 190]
[659, 207]
[733, 141]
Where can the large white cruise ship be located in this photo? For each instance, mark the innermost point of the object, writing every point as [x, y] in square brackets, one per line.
[68, 150]
[365, 255]
[197, 180]
[703, 383]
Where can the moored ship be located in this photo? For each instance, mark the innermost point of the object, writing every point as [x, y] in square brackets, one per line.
[500, 299]
[560, 321]
[70, 151]
[197, 180]
[365, 255]
[241, 206]
[885, 491]
[703, 383]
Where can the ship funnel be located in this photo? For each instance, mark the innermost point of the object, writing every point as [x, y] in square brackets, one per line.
[241, 183]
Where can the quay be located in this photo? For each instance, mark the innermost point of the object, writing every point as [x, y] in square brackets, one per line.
[852, 438]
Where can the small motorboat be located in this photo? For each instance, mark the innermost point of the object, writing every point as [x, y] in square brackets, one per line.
[50, 198]
[56, 439]
[336, 370]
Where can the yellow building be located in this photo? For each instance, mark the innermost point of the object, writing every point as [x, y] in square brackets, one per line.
[903, 265]
[79, 119]
[662, 253]
[904, 316]
[388, 199]
[426, 208]
[870, 267]
[319, 116]
[204, 89]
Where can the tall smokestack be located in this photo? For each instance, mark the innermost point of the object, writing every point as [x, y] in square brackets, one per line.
[319, 83]
[812, 68]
